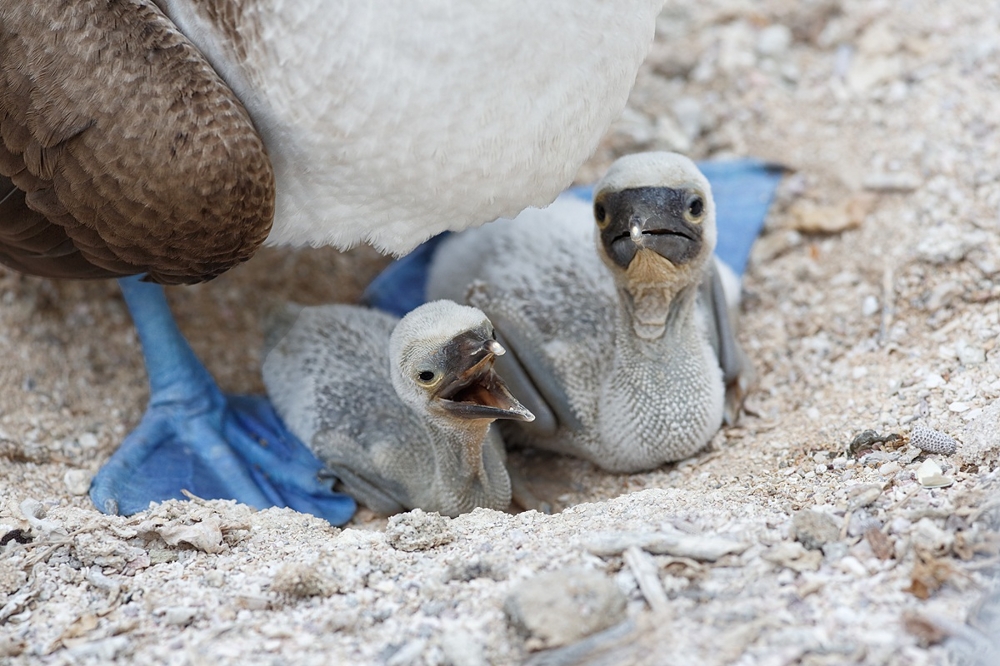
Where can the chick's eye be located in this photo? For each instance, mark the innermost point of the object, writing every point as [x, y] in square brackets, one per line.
[696, 207]
[425, 376]
[600, 213]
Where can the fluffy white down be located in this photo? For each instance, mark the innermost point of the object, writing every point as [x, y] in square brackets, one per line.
[390, 123]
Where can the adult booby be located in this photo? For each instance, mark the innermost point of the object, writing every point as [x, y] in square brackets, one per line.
[623, 354]
[170, 139]
[399, 410]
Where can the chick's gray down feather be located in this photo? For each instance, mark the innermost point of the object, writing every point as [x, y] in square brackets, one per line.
[345, 381]
[621, 363]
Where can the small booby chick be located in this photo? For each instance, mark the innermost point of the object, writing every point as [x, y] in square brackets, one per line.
[623, 355]
[399, 412]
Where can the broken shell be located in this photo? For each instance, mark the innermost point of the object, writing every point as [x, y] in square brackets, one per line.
[932, 441]
[929, 474]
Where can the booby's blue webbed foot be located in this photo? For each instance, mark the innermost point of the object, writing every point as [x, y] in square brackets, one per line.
[195, 438]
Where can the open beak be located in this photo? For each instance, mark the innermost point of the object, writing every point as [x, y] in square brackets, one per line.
[471, 389]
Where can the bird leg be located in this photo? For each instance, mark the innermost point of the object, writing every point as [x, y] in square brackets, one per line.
[194, 438]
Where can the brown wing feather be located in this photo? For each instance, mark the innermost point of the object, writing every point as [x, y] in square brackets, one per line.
[121, 149]
[31, 244]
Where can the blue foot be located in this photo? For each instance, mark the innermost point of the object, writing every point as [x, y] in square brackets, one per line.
[194, 438]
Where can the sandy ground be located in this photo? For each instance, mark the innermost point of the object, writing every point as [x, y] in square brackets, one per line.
[871, 303]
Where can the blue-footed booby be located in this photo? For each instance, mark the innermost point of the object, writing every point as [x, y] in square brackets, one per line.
[169, 139]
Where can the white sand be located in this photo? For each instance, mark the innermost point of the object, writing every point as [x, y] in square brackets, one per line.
[887, 112]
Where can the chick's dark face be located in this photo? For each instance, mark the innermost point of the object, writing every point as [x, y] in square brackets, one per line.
[461, 380]
[666, 220]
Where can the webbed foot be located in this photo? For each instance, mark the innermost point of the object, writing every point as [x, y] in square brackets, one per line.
[194, 438]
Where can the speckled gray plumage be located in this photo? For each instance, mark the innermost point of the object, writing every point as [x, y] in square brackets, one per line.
[328, 372]
[638, 402]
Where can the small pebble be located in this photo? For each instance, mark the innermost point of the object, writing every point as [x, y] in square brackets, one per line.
[834, 551]
[793, 556]
[880, 544]
[934, 380]
[88, 440]
[461, 648]
[77, 481]
[878, 457]
[561, 607]
[889, 469]
[969, 354]
[688, 112]
[947, 243]
[850, 565]
[813, 529]
[298, 579]
[408, 654]
[418, 530]
[930, 538]
[32, 509]
[180, 615]
[860, 521]
[900, 525]
[862, 495]
[774, 40]
[932, 441]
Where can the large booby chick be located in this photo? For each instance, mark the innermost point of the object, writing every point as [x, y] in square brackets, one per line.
[624, 354]
[399, 410]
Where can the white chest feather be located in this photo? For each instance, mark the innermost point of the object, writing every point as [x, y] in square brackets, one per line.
[390, 122]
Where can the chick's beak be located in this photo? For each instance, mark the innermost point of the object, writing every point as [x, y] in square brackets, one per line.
[471, 389]
[651, 218]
